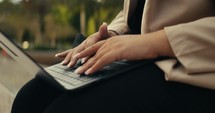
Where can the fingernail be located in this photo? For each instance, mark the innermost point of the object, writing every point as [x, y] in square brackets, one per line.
[62, 62]
[83, 60]
[56, 55]
[88, 72]
[77, 71]
[70, 64]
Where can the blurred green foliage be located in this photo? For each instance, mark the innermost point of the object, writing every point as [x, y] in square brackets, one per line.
[54, 23]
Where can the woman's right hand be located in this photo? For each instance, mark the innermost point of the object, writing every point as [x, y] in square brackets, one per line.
[91, 40]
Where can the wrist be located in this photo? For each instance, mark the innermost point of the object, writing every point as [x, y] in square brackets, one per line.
[161, 44]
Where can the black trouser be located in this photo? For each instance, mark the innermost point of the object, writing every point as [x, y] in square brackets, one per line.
[143, 90]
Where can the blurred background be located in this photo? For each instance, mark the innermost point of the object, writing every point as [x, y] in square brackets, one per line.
[43, 28]
[51, 25]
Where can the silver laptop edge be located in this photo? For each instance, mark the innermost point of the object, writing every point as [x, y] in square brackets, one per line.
[27, 62]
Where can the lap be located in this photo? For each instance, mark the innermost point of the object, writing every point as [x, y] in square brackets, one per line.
[143, 90]
[6, 99]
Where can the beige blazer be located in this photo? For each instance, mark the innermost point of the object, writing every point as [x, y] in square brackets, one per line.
[190, 28]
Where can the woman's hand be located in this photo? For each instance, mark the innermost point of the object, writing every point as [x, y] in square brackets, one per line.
[102, 34]
[129, 47]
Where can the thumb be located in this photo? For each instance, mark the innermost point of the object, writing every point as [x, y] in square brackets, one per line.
[103, 31]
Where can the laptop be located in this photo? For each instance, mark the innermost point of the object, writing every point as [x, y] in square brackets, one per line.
[62, 77]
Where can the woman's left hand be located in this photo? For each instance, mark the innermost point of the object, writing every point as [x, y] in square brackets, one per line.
[128, 47]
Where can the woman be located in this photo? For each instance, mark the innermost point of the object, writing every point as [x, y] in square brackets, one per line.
[181, 30]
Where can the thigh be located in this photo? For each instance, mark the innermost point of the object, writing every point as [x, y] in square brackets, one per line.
[35, 97]
[143, 90]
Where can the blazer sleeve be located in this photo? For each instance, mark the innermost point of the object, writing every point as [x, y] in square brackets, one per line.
[119, 23]
[194, 46]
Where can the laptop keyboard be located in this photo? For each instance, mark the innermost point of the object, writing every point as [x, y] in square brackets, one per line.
[67, 74]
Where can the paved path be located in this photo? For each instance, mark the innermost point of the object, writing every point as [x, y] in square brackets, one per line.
[6, 99]
[12, 77]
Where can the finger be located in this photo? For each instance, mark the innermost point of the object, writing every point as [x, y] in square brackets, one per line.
[86, 66]
[93, 59]
[89, 51]
[62, 54]
[67, 58]
[99, 57]
[89, 63]
[83, 60]
[72, 59]
[103, 31]
[99, 64]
